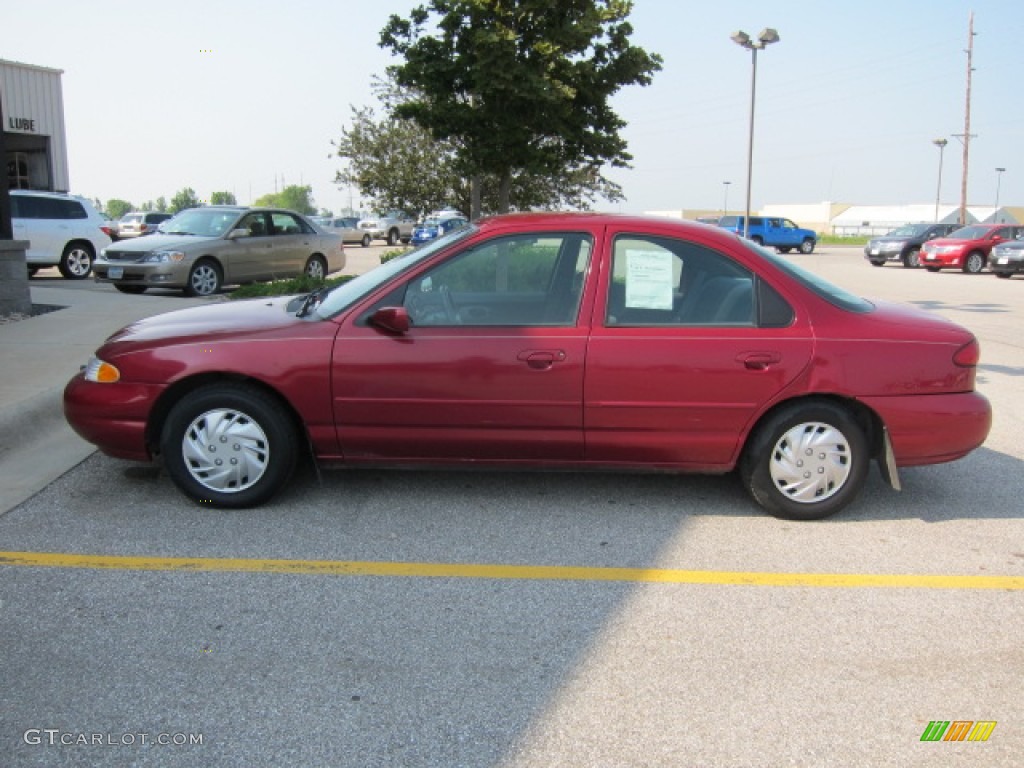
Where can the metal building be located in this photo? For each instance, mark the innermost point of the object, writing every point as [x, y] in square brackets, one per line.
[34, 140]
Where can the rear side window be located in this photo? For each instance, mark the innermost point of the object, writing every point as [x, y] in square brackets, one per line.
[31, 207]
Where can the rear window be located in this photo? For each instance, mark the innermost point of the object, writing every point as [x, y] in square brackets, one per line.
[32, 207]
[833, 294]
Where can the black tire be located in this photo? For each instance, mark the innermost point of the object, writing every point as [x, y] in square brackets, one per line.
[365, 242]
[259, 443]
[1003, 274]
[974, 263]
[76, 261]
[784, 249]
[807, 246]
[912, 258]
[316, 268]
[393, 237]
[933, 269]
[876, 263]
[135, 290]
[757, 240]
[833, 458]
[204, 279]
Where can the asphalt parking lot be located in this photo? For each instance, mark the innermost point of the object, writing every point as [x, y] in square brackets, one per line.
[515, 620]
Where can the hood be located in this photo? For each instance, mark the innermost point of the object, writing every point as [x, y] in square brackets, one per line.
[209, 322]
[157, 242]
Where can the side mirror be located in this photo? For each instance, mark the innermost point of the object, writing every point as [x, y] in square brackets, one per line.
[234, 234]
[394, 319]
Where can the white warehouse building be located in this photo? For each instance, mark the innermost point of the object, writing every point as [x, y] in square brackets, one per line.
[34, 137]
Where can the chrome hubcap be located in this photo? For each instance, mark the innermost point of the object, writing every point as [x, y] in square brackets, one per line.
[225, 451]
[79, 262]
[811, 462]
[204, 280]
[315, 270]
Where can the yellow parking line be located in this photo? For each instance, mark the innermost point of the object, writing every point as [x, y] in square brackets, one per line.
[512, 572]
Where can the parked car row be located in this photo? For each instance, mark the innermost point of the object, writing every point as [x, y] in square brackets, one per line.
[946, 246]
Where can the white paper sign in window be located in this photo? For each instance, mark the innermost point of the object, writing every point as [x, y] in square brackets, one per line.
[649, 279]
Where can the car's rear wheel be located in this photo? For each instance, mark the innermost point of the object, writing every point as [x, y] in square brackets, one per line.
[316, 268]
[807, 246]
[76, 261]
[132, 289]
[912, 258]
[974, 263]
[784, 249]
[365, 241]
[229, 446]
[806, 461]
[757, 240]
[204, 279]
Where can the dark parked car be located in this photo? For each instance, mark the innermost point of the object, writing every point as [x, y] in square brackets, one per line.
[1008, 258]
[564, 341]
[904, 243]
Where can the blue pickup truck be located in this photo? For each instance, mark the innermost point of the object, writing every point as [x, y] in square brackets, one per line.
[773, 231]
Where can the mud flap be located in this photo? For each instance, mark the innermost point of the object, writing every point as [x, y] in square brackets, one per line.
[887, 462]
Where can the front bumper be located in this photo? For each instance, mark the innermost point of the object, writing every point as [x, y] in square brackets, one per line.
[133, 273]
[113, 417]
[929, 259]
[1006, 265]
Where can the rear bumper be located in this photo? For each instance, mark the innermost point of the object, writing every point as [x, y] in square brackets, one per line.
[931, 429]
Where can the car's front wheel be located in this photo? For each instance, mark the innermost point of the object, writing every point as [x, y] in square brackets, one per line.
[204, 279]
[912, 258]
[393, 237]
[974, 263]
[76, 261]
[806, 461]
[229, 445]
[877, 262]
[316, 268]
[365, 241]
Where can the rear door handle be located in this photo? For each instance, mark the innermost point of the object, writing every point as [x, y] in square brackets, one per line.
[758, 361]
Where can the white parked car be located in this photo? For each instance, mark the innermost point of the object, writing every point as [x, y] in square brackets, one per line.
[391, 226]
[63, 231]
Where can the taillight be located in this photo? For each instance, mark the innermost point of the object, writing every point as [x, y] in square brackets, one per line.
[968, 355]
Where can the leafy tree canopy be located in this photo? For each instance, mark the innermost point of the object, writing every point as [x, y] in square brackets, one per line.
[520, 86]
[294, 198]
[223, 198]
[116, 208]
[184, 198]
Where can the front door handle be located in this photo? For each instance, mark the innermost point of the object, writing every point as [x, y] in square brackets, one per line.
[541, 359]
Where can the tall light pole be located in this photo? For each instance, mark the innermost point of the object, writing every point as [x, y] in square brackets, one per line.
[941, 144]
[725, 202]
[999, 178]
[767, 37]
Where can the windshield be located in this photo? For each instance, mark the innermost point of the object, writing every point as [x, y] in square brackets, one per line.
[833, 294]
[347, 294]
[197, 221]
[431, 223]
[910, 230]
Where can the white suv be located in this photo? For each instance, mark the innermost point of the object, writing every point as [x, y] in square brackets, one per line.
[62, 230]
[391, 226]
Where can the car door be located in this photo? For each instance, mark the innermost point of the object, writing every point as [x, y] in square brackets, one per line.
[291, 246]
[680, 359]
[491, 367]
[41, 222]
[250, 257]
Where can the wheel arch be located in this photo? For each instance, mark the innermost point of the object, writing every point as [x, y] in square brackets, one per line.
[182, 388]
[866, 418]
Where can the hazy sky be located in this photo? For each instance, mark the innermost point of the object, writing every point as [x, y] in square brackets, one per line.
[240, 95]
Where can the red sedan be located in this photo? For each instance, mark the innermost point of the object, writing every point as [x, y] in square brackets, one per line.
[564, 341]
[968, 248]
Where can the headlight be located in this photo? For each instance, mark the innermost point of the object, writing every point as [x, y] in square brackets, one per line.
[101, 372]
[163, 257]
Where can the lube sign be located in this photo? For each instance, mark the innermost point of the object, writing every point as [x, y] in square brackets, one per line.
[21, 124]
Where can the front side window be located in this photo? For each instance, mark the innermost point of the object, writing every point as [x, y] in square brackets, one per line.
[659, 281]
[522, 280]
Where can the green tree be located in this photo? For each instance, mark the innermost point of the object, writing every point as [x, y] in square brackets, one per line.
[294, 198]
[520, 86]
[185, 198]
[160, 205]
[223, 198]
[116, 208]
